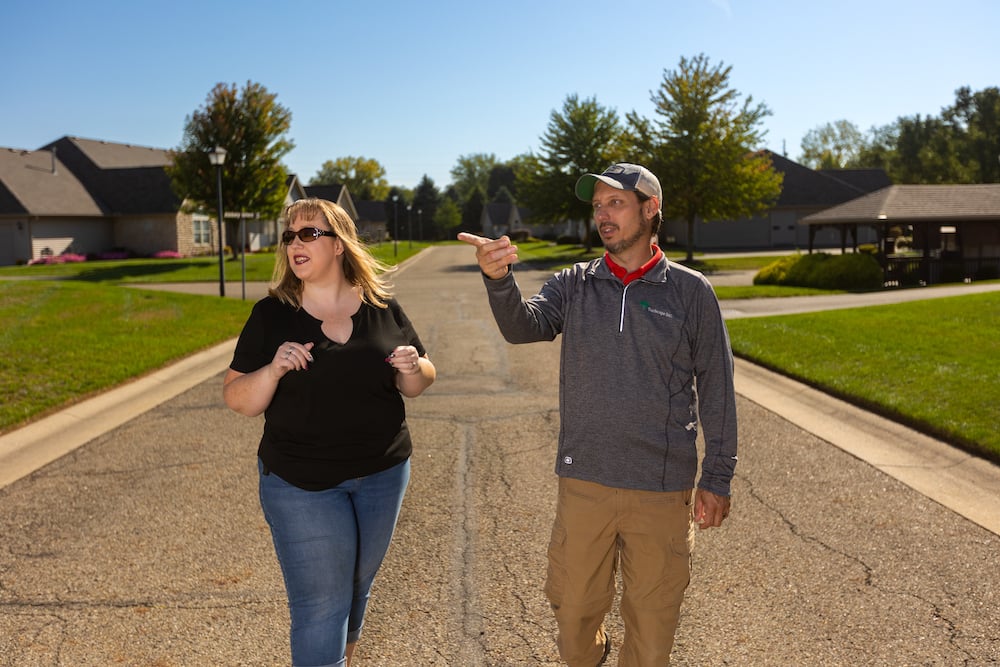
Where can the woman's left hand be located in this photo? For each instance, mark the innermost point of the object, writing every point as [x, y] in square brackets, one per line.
[405, 359]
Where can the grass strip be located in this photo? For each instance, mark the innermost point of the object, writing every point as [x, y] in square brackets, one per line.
[62, 341]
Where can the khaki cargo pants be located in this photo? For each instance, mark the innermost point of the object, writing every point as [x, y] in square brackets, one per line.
[649, 535]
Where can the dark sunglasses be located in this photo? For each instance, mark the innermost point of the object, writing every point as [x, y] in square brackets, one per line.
[306, 235]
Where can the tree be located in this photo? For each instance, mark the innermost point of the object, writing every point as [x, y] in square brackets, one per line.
[447, 218]
[702, 147]
[251, 126]
[928, 151]
[472, 211]
[581, 137]
[832, 146]
[425, 204]
[960, 146]
[472, 174]
[976, 117]
[501, 179]
[364, 177]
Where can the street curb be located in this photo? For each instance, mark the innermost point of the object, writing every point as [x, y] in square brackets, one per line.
[29, 448]
[963, 483]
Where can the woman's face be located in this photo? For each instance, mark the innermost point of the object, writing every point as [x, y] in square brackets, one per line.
[313, 258]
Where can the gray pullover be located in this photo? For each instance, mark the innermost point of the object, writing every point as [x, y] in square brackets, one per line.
[631, 355]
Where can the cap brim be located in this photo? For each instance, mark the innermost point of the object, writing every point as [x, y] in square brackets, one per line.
[585, 186]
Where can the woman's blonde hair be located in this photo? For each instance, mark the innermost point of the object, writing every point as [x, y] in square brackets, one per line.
[361, 268]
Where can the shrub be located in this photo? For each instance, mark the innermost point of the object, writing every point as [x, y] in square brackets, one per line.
[854, 272]
[776, 272]
[58, 259]
[167, 254]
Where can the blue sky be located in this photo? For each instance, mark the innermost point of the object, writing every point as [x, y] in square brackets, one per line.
[415, 85]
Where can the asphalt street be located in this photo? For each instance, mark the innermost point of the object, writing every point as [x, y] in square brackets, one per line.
[137, 539]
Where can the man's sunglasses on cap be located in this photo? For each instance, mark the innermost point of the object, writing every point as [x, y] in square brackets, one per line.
[306, 235]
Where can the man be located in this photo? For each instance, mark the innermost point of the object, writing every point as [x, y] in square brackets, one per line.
[645, 353]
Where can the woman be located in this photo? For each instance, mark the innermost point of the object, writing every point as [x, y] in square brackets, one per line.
[327, 357]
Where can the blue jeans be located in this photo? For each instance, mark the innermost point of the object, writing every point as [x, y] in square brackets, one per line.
[330, 545]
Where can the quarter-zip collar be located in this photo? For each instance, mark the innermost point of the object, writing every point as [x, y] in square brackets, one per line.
[624, 275]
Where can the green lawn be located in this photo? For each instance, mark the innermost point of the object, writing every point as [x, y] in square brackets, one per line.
[930, 364]
[63, 340]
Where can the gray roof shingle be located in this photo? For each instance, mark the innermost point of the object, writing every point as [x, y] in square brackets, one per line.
[31, 186]
[916, 203]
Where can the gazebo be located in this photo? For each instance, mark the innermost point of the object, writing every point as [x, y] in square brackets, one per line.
[955, 230]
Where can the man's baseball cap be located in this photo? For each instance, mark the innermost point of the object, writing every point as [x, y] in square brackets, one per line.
[623, 176]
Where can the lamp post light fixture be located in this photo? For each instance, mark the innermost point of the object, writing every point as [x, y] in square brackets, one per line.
[218, 158]
[395, 226]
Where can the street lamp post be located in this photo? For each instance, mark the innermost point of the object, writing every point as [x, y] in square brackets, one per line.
[420, 222]
[395, 226]
[409, 224]
[218, 158]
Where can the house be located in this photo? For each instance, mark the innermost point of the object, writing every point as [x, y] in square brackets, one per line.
[369, 216]
[499, 218]
[89, 197]
[95, 198]
[338, 194]
[102, 198]
[953, 230]
[373, 223]
[804, 191]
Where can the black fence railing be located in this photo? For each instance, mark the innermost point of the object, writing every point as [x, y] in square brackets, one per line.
[913, 271]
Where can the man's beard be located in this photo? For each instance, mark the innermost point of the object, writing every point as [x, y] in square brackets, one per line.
[642, 235]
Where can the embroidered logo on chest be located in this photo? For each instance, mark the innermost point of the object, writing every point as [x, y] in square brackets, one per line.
[655, 311]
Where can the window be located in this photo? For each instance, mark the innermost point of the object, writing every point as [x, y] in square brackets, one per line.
[202, 231]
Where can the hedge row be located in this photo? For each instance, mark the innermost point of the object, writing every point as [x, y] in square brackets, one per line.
[853, 272]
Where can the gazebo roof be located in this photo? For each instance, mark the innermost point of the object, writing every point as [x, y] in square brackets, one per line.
[915, 203]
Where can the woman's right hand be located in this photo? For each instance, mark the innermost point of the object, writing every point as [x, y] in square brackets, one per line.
[291, 357]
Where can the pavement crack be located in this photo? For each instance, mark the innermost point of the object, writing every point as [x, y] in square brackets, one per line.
[794, 529]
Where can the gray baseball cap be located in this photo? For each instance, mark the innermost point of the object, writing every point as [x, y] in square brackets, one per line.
[623, 176]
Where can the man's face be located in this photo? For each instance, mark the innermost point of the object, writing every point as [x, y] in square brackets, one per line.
[620, 218]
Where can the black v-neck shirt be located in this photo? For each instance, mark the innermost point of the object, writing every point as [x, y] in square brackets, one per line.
[343, 417]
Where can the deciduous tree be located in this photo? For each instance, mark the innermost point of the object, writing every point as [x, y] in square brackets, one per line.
[252, 127]
[702, 147]
[364, 177]
[471, 174]
[835, 145]
[582, 137]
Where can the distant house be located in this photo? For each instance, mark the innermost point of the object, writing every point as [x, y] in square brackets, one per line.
[93, 197]
[338, 194]
[373, 223]
[804, 191]
[953, 230]
[87, 197]
[368, 216]
[499, 218]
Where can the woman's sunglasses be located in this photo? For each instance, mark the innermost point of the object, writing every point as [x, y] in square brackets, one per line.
[306, 235]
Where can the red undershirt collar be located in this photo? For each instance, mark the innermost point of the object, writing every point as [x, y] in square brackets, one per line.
[627, 277]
